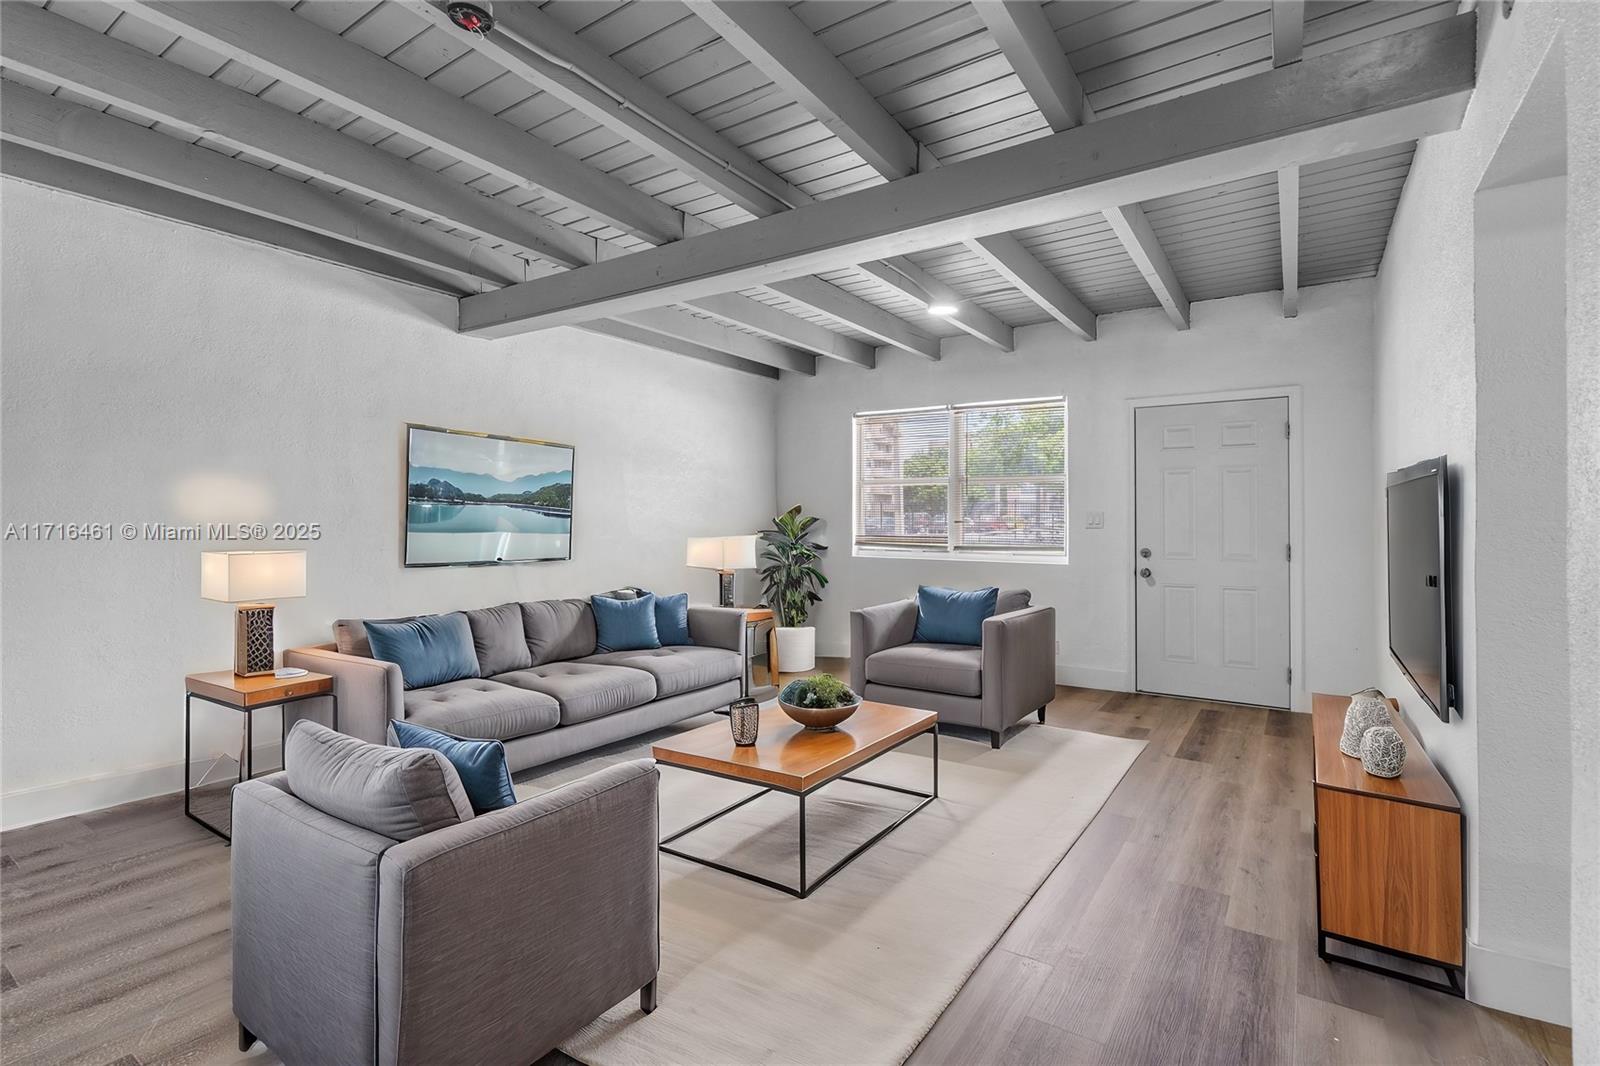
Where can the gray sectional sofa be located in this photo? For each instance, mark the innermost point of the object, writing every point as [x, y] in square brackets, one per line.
[543, 688]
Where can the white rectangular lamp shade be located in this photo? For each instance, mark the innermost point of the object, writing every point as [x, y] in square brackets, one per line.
[722, 553]
[244, 577]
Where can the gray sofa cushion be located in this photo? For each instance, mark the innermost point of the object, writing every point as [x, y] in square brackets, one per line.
[350, 634]
[558, 629]
[677, 669]
[498, 640]
[586, 690]
[481, 709]
[1012, 600]
[399, 793]
[953, 668]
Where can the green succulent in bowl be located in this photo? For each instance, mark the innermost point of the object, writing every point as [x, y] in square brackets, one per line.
[822, 691]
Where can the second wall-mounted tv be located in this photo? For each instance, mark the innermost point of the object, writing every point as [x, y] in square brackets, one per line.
[1418, 509]
[476, 499]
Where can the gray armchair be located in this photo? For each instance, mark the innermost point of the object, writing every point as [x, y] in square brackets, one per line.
[990, 687]
[486, 941]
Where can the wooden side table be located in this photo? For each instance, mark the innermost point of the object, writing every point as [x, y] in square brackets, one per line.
[754, 619]
[246, 695]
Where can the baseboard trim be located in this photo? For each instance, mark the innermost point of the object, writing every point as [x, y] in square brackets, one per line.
[63, 799]
[1515, 984]
[1093, 677]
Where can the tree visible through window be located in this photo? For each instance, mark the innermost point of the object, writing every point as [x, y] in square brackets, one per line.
[973, 477]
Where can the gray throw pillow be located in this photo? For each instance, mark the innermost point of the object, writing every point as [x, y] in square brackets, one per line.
[558, 630]
[498, 639]
[1012, 600]
[399, 793]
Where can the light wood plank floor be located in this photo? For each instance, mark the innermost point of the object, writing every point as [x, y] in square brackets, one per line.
[1180, 928]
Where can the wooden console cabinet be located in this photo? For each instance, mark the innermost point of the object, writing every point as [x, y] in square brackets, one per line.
[1388, 856]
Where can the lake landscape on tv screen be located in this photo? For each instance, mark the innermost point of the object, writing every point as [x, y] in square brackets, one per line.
[478, 499]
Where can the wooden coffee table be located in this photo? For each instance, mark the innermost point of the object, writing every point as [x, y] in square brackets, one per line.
[791, 759]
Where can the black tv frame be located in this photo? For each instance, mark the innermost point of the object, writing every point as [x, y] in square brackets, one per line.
[1438, 469]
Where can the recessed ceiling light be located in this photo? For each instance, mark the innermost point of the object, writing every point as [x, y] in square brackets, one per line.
[942, 310]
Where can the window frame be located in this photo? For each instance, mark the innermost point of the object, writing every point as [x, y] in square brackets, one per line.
[955, 483]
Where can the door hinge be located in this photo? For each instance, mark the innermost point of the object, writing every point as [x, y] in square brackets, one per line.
[1288, 553]
[1286, 431]
[1288, 676]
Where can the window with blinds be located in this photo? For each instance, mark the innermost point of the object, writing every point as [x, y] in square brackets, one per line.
[988, 477]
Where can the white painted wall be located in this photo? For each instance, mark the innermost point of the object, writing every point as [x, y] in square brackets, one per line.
[1431, 397]
[155, 372]
[1238, 343]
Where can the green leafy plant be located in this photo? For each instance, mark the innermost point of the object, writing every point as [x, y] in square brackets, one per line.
[790, 574]
[821, 692]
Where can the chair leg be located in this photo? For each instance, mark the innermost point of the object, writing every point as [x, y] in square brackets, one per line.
[247, 1039]
[995, 737]
[647, 998]
[1041, 716]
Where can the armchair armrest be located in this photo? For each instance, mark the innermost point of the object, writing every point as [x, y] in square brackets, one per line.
[370, 691]
[872, 629]
[718, 627]
[509, 932]
[1019, 665]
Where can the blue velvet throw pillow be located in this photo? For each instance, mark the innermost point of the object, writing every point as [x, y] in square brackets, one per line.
[625, 625]
[672, 620]
[429, 650]
[948, 616]
[481, 764]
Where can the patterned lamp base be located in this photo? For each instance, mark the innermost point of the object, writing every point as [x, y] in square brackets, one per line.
[252, 639]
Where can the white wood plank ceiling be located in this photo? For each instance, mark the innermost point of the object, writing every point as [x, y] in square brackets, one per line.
[586, 130]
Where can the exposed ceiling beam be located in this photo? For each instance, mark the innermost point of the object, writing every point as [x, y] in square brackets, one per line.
[1033, 279]
[674, 322]
[1030, 45]
[853, 311]
[790, 329]
[75, 132]
[272, 39]
[1133, 229]
[1289, 237]
[785, 50]
[1382, 92]
[538, 49]
[1288, 31]
[626, 331]
[62, 52]
[908, 279]
[39, 168]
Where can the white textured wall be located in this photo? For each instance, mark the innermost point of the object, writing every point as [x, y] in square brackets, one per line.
[1238, 343]
[1428, 401]
[155, 372]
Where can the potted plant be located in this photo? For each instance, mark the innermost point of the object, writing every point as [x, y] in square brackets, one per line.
[819, 702]
[790, 576]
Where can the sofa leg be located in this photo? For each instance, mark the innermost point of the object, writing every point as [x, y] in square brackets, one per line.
[1041, 716]
[247, 1039]
[995, 737]
[647, 998]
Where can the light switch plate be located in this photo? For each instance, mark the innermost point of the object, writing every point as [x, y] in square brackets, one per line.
[1096, 520]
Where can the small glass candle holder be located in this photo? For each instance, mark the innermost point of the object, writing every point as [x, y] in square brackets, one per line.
[744, 718]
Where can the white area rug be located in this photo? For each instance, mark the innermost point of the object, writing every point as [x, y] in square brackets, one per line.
[859, 972]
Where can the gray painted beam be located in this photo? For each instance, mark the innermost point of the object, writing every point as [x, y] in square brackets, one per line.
[1024, 35]
[672, 322]
[852, 310]
[58, 50]
[1382, 92]
[1027, 275]
[645, 338]
[1289, 237]
[275, 41]
[1288, 31]
[908, 279]
[67, 175]
[75, 132]
[789, 329]
[1133, 229]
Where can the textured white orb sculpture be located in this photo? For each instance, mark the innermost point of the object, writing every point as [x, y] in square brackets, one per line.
[1367, 709]
[1383, 753]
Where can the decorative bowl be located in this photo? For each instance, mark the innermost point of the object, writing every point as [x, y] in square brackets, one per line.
[819, 718]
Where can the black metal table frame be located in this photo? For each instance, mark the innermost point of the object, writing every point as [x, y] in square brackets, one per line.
[1451, 986]
[807, 887]
[247, 760]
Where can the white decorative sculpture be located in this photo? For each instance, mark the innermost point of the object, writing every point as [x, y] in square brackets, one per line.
[1367, 709]
[1383, 753]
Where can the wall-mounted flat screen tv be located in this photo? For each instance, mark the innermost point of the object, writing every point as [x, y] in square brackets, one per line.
[1419, 580]
[477, 499]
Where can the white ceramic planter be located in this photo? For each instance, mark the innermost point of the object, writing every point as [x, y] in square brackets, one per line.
[797, 648]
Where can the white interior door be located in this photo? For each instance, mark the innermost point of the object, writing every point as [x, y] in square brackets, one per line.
[1211, 543]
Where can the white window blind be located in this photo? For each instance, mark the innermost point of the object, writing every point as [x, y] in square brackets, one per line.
[985, 477]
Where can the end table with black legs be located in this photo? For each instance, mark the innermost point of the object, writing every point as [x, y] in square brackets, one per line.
[247, 695]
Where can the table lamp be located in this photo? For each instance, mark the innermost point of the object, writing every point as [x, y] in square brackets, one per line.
[724, 555]
[245, 579]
